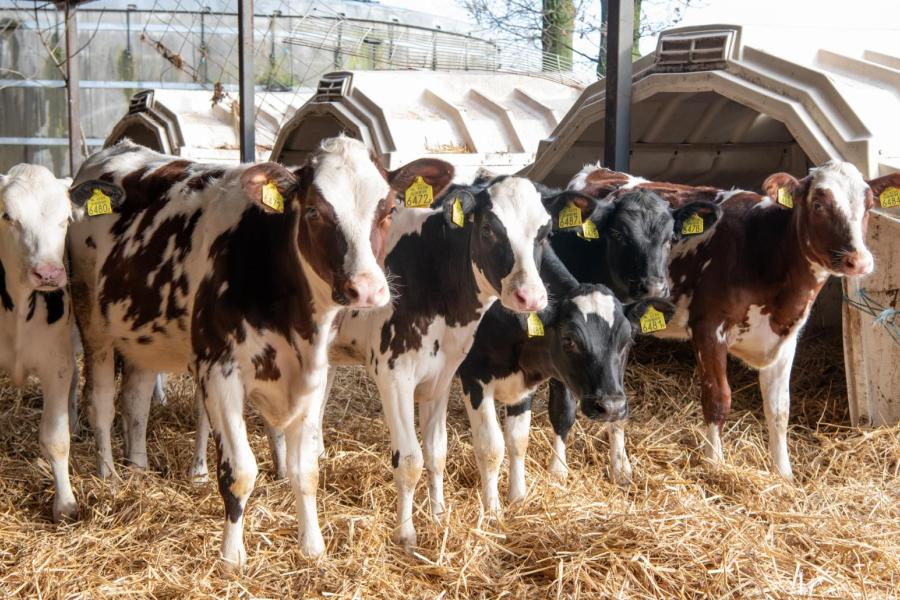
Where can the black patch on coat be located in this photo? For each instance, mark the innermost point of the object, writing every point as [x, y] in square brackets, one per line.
[514, 410]
[4, 293]
[56, 305]
[395, 459]
[437, 346]
[31, 305]
[233, 508]
[265, 365]
[144, 339]
[89, 242]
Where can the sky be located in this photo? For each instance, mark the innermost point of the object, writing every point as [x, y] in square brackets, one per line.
[838, 16]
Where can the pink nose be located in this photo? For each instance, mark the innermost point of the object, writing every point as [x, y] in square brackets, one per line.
[530, 298]
[365, 291]
[857, 264]
[49, 275]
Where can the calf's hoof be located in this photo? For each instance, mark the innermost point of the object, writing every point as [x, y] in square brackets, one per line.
[64, 510]
[235, 558]
[405, 537]
[312, 545]
[559, 470]
[621, 474]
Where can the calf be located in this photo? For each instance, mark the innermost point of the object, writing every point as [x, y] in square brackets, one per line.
[745, 285]
[236, 274]
[636, 230]
[35, 313]
[448, 264]
[583, 343]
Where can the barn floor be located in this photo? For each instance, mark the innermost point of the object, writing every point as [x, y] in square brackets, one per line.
[681, 530]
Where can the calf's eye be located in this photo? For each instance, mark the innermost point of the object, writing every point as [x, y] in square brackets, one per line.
[312, 213]
[6, 217]
[818, 207]
[486, 232]
[569, 344]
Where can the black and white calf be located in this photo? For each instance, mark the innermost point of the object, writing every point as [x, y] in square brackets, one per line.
[236, 273]
[637, 228]
[36, 327]
[586, 336]
[448, 265]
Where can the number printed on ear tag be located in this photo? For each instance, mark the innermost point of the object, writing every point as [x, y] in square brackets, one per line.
[653, 320]
[98, 204]
[272, 198]
[458, 217]
[890, 197]
[419, 194]
[589, 231]
[692, 225]
[570, 216]
[535, 326]
[785, 198]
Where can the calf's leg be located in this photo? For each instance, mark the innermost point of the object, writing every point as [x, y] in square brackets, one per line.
[137, 389]
[433, 420]
[302, 453]
[488, 441]
[518, 425]
[199, 472]
[774, 381]
[561, 407]
[101, 388]
[619, 465]
[278, 447]
[406, 457]
[54, 435]
[715, 393]
[236, 466]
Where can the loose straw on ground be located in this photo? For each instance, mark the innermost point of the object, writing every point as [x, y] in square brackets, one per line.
[681, 530]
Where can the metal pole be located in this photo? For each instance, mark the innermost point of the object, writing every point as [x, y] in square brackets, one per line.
[72, 86]
[617, 140]
[245, 80]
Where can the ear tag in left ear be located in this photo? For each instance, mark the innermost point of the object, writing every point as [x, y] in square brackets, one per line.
[692, 225]
[785, 198]
[419, 194]
[589, 231]
[653, 320]
[890, 197]
[535, 327]
[458, 217]
[98, 204]
[272, 198]
[570, 216]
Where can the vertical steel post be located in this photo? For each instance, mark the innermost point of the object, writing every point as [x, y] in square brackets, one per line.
[72, 86]
[245, 81]
[617, 140]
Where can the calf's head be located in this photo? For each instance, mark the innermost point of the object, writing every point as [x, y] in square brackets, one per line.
[342, 201]
[831, 213]
[509, 228]
[35, 211]
[637, 229]
[590, 338]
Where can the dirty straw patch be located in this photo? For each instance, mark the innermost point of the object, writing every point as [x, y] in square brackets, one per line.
[680, 530]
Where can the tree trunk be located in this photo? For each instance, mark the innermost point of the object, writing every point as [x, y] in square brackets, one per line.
[557, 24]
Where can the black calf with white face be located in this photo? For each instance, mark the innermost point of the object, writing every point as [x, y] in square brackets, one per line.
[632, 253]
[585, 342]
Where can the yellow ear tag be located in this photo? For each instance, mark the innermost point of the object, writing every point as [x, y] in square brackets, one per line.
[890, 197]
[535, 327]
[785, 198]
[98, 204]
[589, 231]
[653, 320]
[419, 194]
[459, 217]
[272, 198]
[692, 225]
[570, 216]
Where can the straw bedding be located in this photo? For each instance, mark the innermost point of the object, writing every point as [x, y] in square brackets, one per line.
[682, 530]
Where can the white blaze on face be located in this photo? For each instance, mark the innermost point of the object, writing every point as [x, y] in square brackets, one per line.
[849, 189]
[597, 303]
[348, 180]
[517, 204]
[36, 210]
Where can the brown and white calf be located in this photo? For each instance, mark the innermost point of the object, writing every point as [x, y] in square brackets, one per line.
[745, 286]
[237, 274]
[35, 310]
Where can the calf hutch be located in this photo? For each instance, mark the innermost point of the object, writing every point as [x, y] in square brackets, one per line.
[198, 126]
[727, 106]
[471, 119]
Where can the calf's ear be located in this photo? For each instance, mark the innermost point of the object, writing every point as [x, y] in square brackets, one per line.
[436, 173]
[458, 205]
[560, 205]
[636, 310]
[707, 211]
[269, 185]
[784, 189]
[886, 190]
[84, 191]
